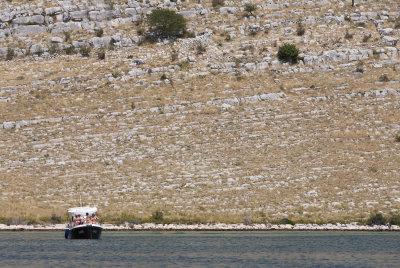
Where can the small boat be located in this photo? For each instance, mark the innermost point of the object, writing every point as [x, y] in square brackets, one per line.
[84, 224]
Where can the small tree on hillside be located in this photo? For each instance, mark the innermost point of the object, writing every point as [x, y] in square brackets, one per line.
[288, 53]
[166, 23]
[250, 8]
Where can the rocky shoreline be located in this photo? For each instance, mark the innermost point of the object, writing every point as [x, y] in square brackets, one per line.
[211, 227]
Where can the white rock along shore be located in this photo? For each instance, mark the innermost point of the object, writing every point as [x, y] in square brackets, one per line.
[212, 227]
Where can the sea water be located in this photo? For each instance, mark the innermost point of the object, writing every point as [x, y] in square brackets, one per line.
[202, 249]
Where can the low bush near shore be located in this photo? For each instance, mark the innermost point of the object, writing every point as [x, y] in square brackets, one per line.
[159, 217]
[4, 220]
[287, 221]
[54, 219]
[376, 219]
[395, 220]
[18, 220]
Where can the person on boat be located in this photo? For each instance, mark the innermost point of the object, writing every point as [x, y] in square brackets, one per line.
[94, 218]
[78, 220]
[87, 218]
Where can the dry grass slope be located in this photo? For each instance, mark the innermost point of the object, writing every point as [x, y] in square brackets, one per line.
[312, 142]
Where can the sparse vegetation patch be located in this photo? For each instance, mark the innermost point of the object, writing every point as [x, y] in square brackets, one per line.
[217, 3]
[300, 29]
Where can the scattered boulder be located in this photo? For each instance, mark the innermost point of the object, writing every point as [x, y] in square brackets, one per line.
[55, 39]
[37, 49]
[390, 41]
[79, 15]
[53, 11]
[29, 30]
[32, 20]
[99, 42]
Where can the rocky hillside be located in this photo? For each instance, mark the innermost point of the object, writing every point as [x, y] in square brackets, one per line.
[211, 125]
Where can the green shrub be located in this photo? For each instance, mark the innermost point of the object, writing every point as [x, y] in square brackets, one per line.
[397, 23]
[166, 23]
[85, 51]
[4, 220]
[189, 34]
[373, 169]
[366, 38]
[99, 32]
[157, 216]
[395, 220]
[16, 221]
[70, 50]
[174, 55]
[200, 49]
[250, 8]
[10, 53]
[67, 36]
[110, 4]
[129, 218]
[286, 221]
[360, 67]
[46, 219]
[30, 221]
[361, 24]
[32, 23]
[111, 45]
[300, 29]
[397, 138]
[348, 35]
[53, 49]
[218, 3]
[253, 31]
[141, 31]
[247, 221]
[288, 53]
[101, 55]
[376, 219]
[384, 78]
[55, 219]
[39, 52]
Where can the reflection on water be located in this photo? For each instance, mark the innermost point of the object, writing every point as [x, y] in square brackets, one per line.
[230, 249]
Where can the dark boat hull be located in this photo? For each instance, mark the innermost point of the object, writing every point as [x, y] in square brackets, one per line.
[84, 232]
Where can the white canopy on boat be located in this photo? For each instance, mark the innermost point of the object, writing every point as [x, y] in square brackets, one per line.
[82, 210]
